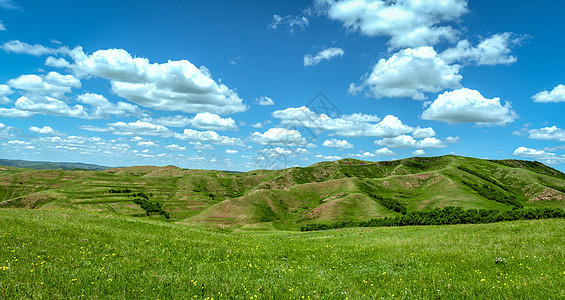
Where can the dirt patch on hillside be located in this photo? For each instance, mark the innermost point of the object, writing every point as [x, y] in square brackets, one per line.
[548, 195]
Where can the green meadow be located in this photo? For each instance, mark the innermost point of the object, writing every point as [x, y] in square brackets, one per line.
[75, 254]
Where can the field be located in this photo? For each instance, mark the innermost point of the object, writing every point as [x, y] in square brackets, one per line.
[74, 254]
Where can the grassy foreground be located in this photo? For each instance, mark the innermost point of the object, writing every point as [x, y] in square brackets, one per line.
[69, 254]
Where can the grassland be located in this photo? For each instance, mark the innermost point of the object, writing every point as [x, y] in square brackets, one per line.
[74, 254]
[327, 192]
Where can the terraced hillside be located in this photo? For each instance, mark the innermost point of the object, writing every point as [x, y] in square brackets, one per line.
[326, 192]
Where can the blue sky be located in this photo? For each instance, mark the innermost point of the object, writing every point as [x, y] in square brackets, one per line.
[263, 84]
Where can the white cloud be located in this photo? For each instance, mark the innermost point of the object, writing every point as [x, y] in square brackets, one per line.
[36, 50]
[410, 73]
[407, 22]
[335, 143]
[264, 100]
[138, 128]
[556, 95]
[5, 130]
[547, 133]
[419, 152]
[49, 106]
[546, 157]
[15, 113]
[175, 147]
[327, 157]
[5, 90]
[257, 125]
[2, 27]
[230, 151]
[17, 142]
[171, 86]
[406, 141]
[355, 125]
[383, 151]
[45, 130]
[147, 144]
[279, 137]
[172, 121]
[362, 155]
[452, 140]
[53, 84]
[103, 108]
[326, 54]
[210, 121]
[201, 146]
[57, 62]
[208, 137]
[491, 51]
[469, 106]
[294, 23]
[421, 133]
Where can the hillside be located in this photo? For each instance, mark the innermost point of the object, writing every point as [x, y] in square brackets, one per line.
[46, 165]
[325, 192]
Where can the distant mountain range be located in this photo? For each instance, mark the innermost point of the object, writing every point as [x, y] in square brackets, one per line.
[46, 165]
[325, 192]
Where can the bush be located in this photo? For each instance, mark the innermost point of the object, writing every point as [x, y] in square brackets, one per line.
[446, 216]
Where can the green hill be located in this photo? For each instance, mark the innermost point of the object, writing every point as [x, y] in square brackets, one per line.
[325, 192]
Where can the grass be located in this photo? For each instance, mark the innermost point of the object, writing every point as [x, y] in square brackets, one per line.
[72, 254]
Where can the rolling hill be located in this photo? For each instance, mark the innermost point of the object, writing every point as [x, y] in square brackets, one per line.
[325, 192]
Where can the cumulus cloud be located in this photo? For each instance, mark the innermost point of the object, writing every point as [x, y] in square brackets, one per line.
[407, 23]
[546, 157]
[257, 125]
[264, 100]
[5, 130]
[406, 141]
[53, 84]
[409, 73]
[556, 95]
[326, 54]
[208, 137]
[419, 152]
[355, 125]
[175, 147]
[292, 23]
[2, 27]
[491, 51]
[279, 137]
[201, 146]
[547, 133]
[103, 108]
[45, 130]
[138, 128]
[383, 151]
[469, 106]
[366, 154]
[36, 50]
[147, 144]
[170, 86]
[210, 121]
[46, 105]
[327, 157]
[421, 133]
[57, 62]
[5, 90]
[231, 151]
[335, 143]
[15, 113]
